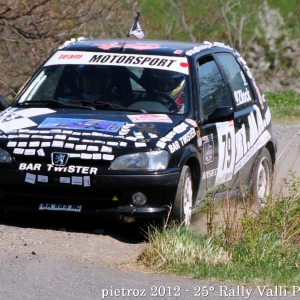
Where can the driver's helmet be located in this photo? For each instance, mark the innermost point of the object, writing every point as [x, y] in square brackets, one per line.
[167, 82]
[101, 77]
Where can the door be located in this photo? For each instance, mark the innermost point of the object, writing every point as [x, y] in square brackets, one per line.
[248, 122]
[218, 137]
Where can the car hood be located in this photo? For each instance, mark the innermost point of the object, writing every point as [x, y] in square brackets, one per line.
[40, 131]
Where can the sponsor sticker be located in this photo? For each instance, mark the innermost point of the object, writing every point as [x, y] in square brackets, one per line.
[172, 63]
[76, 180]
[30, 178]
[82, 124]
[18, 119]
[42, 178]
[150, 118]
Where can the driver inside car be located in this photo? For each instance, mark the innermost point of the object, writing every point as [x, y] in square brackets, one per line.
[170, 84]
[93, 82]
[164, 91]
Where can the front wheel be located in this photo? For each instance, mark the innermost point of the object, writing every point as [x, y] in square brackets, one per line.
[182, 207]
[262, 179]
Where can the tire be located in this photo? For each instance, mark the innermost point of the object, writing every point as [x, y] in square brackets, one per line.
[182, 207]
[262, 179]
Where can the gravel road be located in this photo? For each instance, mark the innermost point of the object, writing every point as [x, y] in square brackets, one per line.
[85, 241]
[288, 158]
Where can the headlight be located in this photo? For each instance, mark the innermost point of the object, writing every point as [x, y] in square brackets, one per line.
[4, 156]
[155, 160]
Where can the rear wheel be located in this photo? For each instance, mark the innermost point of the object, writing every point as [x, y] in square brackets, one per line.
[182, 208]
[262, 179]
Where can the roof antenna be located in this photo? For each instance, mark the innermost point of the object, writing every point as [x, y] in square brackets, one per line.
[135, 29]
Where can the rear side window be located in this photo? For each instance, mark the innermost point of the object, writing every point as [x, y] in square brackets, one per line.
[213, 90]
[242, 92]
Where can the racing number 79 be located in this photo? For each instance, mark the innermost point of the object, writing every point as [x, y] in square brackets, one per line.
[226, 147]
[226, 140]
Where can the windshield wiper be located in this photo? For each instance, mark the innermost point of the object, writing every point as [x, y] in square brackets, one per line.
[117, 106]
[80, 104]
[108, 104]
[105, 105]
[57, 103]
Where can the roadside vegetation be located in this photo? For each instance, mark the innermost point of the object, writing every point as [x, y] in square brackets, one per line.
[284, 106]
[243, 245]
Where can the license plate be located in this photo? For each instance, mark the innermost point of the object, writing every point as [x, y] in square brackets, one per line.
[60, 207]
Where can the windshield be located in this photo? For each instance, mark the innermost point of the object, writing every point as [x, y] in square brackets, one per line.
[114, 87]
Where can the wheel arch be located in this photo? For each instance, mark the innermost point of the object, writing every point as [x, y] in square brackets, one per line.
[261, 185]
[271, 148]
[191, 158]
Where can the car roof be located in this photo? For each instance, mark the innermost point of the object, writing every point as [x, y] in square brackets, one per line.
[133, 46]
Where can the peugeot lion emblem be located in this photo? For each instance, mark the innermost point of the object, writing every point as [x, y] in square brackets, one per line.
[59, 159]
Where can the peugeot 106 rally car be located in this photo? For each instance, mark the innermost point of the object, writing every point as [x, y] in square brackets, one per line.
[133, 129]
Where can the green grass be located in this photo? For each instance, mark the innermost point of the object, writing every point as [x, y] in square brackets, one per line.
[253, 248]
[284, 106]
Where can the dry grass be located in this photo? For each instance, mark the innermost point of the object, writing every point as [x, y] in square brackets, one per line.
[177, 245]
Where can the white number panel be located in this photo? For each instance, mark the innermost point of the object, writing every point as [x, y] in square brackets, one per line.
[226, 147]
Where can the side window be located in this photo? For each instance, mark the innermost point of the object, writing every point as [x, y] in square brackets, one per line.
[242, 92]
[213, 91]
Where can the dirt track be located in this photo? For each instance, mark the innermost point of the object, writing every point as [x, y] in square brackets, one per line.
[92, 242]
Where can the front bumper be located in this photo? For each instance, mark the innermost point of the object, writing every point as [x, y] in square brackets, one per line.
[107, 195]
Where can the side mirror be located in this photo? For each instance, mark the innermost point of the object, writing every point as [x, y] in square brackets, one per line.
[3, 103]
[220, 114]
